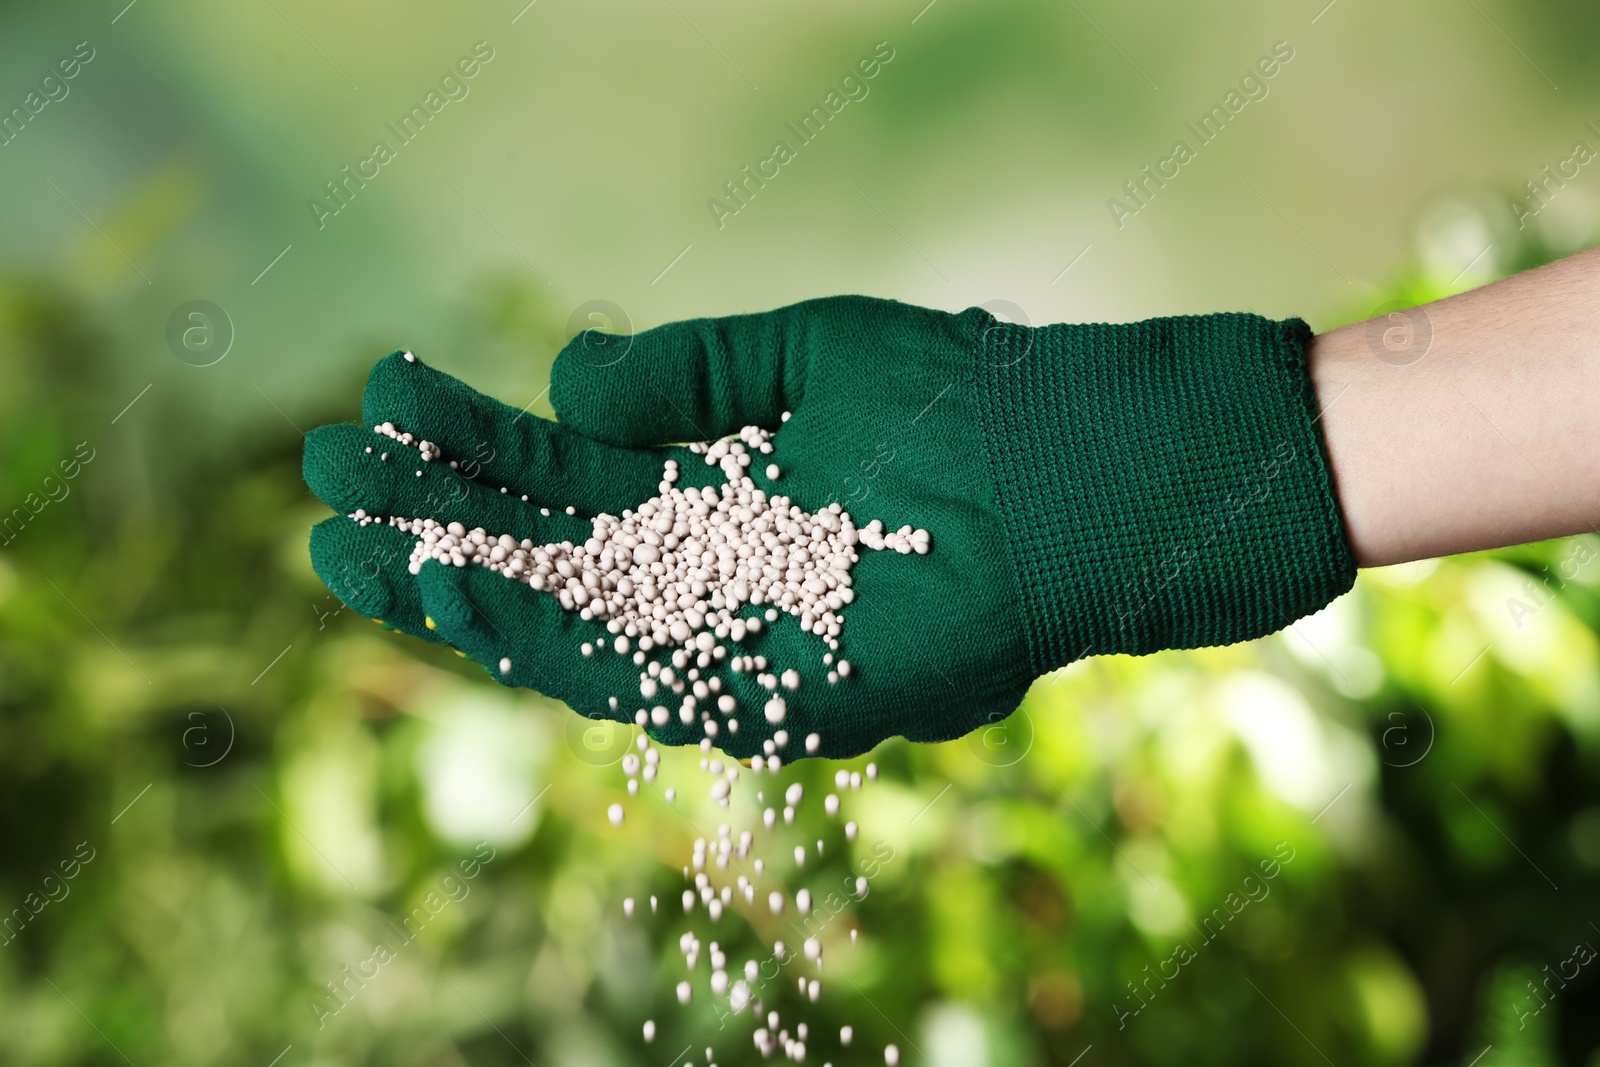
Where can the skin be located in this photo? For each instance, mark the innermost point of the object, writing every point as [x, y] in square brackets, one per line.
[1484, 436]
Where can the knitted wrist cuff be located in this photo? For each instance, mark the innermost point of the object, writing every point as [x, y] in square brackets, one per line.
[1165, 482]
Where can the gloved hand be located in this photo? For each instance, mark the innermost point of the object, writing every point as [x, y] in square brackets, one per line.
[1088, 490]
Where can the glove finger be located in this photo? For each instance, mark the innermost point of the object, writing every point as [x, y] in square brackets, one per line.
[499, 445]
[523, 638]
[365, 567]
[345, 475]
[688, 381]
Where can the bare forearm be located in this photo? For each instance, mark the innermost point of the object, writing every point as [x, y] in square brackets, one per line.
[1490, 438]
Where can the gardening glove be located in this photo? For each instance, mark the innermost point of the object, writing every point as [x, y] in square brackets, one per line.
[1087, 489]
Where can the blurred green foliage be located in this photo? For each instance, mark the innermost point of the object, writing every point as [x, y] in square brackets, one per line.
[1345, 841]
[1374, 838]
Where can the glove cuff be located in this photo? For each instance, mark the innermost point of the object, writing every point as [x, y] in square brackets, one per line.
[1165, 483]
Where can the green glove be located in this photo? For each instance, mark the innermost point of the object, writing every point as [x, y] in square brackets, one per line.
[1088, 490]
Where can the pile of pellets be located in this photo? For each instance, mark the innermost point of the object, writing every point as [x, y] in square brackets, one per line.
[677, 574]
[679, 583]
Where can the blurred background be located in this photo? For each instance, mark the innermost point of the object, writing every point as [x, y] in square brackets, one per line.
[218, 791]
